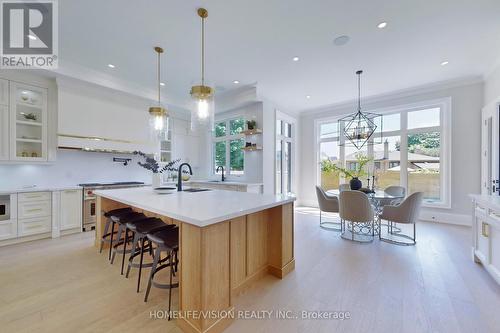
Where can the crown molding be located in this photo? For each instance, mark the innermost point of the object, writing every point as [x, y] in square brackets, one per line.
[407, 92]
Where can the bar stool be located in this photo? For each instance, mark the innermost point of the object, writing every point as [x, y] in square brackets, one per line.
[121, 220]
[141, 229]
[107, 237]
[165, 241]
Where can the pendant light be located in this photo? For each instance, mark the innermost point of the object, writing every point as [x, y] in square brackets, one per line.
[359, 127]
[202, 110]
[158, 115]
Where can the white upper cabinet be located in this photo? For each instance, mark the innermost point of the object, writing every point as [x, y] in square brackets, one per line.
[28, 122]
[4, 92]
[96, 118]
[4, 132]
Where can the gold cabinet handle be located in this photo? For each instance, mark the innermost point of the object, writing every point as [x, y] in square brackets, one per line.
[484, 229]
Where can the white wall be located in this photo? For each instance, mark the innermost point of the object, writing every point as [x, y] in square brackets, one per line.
[467, 101]
[71, 168]
[492, 86]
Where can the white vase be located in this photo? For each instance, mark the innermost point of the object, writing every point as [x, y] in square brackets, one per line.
[156, 180]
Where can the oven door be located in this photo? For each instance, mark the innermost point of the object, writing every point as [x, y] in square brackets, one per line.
[4, 207]
[89, 211]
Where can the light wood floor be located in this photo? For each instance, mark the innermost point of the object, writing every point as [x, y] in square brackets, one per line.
[63, 285]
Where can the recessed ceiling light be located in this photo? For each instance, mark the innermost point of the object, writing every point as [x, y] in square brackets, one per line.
[341, 40]
[295, 58]
[32, 37]
[308, 96]
[382, 25]
[236, 81]
[111, 66]
[162, 83]
[444, 63]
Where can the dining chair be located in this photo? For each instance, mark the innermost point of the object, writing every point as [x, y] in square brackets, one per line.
[355, 208]
[329, 204]
[396, 191]
[344, 187]
[405, 213]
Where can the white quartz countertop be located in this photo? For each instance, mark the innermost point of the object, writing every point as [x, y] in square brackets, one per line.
[4, 191]
[491, 200]
[197, 208]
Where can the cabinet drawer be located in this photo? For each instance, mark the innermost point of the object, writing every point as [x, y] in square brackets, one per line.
[8, 229]
[34, 226]
[33, 209]
[33, 196]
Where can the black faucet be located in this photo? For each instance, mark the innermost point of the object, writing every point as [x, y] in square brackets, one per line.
[179, 176]
[217, 170]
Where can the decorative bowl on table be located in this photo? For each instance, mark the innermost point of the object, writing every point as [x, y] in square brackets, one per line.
[165, 189]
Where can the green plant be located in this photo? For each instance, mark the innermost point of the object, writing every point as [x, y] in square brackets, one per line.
[251, 124]
[359, 171]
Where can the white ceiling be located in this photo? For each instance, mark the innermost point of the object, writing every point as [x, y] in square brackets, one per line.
[255, 41]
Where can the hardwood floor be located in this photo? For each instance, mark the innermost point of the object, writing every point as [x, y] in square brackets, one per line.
[63, 285]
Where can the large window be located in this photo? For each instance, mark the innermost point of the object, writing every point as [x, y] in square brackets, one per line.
[227, 146]
[414, 152]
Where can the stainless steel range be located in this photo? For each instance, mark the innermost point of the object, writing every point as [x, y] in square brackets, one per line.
[89, 200]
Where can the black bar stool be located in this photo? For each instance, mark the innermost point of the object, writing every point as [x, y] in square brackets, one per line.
[121, 220]
[107, 237]
[165, 241]
[141, 229]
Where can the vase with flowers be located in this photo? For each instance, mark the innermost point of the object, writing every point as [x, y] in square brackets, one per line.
[354, 174]
[152, 165]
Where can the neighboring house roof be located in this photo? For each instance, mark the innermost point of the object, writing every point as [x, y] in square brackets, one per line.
[395, 156]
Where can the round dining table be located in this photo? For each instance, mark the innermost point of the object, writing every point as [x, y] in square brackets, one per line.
[378, 199]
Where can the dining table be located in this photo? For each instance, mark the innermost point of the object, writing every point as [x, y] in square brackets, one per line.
[378, 199]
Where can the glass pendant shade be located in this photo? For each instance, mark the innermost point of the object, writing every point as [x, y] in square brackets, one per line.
[202, 95]
[202, 108]
[158, 123]
[158, 115]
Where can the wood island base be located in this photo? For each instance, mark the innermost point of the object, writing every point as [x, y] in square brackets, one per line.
[219, 261]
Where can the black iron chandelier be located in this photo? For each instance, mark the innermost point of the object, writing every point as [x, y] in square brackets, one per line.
[359, 128]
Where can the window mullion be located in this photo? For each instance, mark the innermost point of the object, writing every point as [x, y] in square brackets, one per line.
[403, 155]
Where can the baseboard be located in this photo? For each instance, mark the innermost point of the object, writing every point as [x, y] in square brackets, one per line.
[448, 218]
[425, 215]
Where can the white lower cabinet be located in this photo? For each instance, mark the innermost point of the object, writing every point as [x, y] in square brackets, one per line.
[486, 233]
[8, 229]
[70, 209]
[34, 226]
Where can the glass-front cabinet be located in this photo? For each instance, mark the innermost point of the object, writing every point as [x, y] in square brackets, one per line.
[28, 119]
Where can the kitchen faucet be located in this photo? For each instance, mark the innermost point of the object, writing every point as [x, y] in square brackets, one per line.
[179, 176]
[217, 170]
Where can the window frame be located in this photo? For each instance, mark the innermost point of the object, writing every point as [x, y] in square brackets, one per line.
[444, 104]
[227, 140]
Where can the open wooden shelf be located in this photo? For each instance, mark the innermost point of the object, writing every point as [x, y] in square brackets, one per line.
[251, 148]
[252, 132]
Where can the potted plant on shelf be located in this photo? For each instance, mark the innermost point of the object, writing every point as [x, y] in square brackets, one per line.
[251, 124]
[152, 165]
[354, 174]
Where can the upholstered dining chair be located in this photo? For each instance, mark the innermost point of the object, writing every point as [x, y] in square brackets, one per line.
[355, 208]
[329, 204]
[396, 191]
[405, 213]
[344, 187]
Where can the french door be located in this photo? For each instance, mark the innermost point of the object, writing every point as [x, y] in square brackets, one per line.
[285, 134]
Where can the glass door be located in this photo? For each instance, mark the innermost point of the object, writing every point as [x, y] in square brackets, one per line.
[28, 110]
[284, 156]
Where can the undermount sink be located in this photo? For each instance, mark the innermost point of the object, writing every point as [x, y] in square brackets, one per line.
[196, 190]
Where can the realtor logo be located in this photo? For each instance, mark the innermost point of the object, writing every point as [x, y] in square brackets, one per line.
[28, 34]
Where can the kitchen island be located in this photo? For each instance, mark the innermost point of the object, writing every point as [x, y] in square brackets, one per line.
[227, 241]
